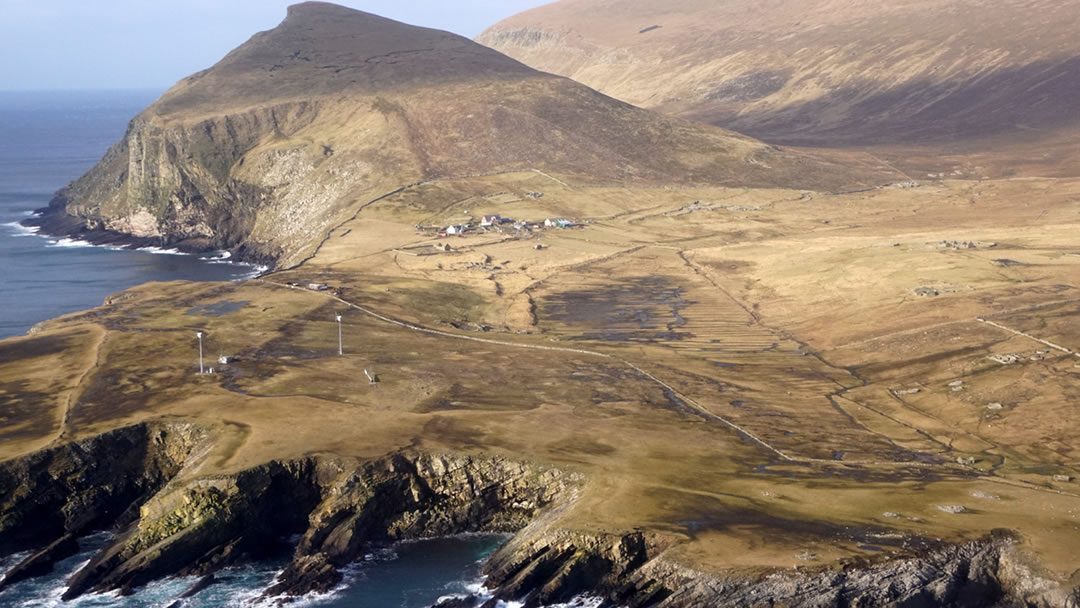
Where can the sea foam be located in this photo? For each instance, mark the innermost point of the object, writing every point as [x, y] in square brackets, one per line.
[17, 229]
[160, 251]
[70, 242]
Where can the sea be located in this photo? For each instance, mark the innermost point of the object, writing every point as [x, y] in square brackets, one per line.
[406, 575]
[48, 139]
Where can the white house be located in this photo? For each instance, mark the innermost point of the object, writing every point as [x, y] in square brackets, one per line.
[491, 220]
[451, 230]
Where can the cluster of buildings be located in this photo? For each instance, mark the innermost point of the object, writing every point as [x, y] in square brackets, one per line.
[496, 222]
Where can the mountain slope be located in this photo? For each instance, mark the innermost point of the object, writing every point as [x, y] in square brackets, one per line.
[838, 72]
[296, 128]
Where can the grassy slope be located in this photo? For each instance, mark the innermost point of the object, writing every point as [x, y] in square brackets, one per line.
[960, 76]
[294, 130]
[770, 332]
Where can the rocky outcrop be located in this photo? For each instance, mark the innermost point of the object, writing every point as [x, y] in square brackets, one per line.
[142, 482]
[631, 570]
[559, 566]
[90, 484]
[50, 498]
[171, 521]
[198, 527]
[210, 183]
[988, 572]
[410, 497]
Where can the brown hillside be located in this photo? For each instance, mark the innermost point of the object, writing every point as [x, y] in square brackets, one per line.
[295, 129]
[966, 75]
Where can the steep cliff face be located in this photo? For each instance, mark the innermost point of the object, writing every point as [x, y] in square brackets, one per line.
[251, 180]
[143, 482]
[294, 130]
[50, 498]
[170, 520]
[555, 566]
[410, 497]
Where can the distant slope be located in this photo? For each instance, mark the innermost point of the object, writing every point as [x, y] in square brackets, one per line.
[824, 72]
[297, 127]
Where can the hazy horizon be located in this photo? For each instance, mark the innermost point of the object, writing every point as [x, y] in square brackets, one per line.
[70, 45]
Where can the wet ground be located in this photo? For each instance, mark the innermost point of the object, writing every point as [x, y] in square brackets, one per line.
[641, 309]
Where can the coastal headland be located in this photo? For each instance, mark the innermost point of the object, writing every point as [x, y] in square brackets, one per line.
[683, 367]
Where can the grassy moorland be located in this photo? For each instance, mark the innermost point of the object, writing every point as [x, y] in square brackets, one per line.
[748, 372]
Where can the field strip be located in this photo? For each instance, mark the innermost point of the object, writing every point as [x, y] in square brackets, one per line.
[704, 412]
[1025, 335]
[78, 389]
[577, 351]
[436, 332]
[955, 322]
[711, 416]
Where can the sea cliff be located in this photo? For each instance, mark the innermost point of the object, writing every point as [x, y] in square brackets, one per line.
[143, 483]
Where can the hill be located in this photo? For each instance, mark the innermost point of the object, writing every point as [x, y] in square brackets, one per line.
[292, 131]
[685, 394]
[960, 76]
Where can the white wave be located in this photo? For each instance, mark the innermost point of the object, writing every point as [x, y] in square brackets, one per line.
[160, 251]
[70, 242]
[52, 599]
[17, 229]
[484, 598]
[256, 272]
[252, 595]
[582, 601]
[11, 561]
[483, 594]
[477, 588]
[386, 554]
[253, 598]
[218, 257]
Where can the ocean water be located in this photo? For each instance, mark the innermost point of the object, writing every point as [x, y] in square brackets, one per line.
[48, 139]
[408, 575]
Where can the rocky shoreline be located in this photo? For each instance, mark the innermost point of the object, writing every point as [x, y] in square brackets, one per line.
[55, 221]
[143, 483]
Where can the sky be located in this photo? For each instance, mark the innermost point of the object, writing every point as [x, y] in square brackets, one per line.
[151, 44]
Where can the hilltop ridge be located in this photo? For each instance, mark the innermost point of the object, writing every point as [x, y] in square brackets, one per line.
[296, 128]
[326, 49]
[995, 79]
[683, 367]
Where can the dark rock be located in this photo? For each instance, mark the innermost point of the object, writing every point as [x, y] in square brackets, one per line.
[41, 562]
[306, 574]
[201, 527]
[207, 581]
[88, 485]
[344, 507]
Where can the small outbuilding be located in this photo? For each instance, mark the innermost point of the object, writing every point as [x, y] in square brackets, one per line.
[557, 222]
